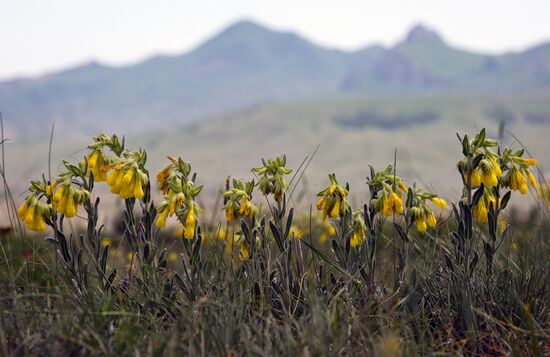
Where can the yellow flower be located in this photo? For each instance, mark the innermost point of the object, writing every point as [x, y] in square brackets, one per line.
[163, 176]
[22, 211]
[173, 256]
[229, 213]
[474, 177]
[331, 230]
[161, 220]
[489, 178]
[522, 182]
[127, 184]
[439, 202]
[105, 242]
[335, 212]
[243, 251]
[333, 201]
[33, 214]
[51, 188]
[243, 206]
[190, 224]
[496, 166]
[431, 219]
[321, 202]
[531, 178]
[71, 207]
[67, 198]
[295, 232]
[98, 165]
[356, 239]
[490, 172]
[530, 162]
[421, 225]
[481, 211]
[397, 203]
[387, 205]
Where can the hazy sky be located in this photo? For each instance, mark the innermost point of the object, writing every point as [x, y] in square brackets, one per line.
[38, 36]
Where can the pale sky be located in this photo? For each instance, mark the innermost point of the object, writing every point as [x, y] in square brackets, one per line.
[40, 36]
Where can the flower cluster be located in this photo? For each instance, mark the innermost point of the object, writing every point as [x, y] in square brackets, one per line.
[128, 176]
[68, 197]
[99, 164]
[71, 188]
[66, 192]
[483, 166]
[272, 178]
[386, 191]
[34, 213]
[179, 196]
[97, 161]
[519, 172]
[420, 212]
[237, 201]
[333, 202]
[480, 164]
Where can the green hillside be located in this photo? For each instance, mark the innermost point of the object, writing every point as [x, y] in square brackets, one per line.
[351, 133]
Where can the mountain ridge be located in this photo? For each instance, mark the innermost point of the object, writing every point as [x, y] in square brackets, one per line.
[248, 64]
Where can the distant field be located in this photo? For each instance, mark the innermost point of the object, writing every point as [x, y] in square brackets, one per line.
[351, 133]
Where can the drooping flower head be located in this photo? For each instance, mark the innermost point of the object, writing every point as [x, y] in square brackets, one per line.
[68, 197]
[333, 201]
[518, 171]
[480, 164]
[97, 161]
[386, 191]
[420, 212]
[179, 197]
[34, 213]
[68, 191]
[237, 201]
[129, 177]
[272, 177]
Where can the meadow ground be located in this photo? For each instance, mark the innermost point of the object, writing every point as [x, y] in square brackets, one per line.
[400, 273]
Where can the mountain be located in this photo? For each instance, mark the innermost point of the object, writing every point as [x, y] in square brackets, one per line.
[247, 65]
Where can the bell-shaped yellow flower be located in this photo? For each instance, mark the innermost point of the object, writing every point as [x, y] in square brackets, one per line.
[161, 220]
[489, 178]
[387, 205]
[335, 211]
[33, 214]
[430, 218]
[531, 178]
[480, 211]
[421, 225]
[190, 224]
[397, 203]
[439, 202]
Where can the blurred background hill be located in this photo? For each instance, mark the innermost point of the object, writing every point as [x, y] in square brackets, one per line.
[248, 64]
[250, 91]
